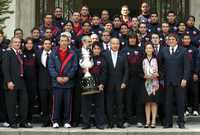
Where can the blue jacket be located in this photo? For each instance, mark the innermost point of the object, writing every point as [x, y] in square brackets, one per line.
[54, 66]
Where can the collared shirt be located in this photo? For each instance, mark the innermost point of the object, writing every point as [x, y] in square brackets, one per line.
[62, 54]
[171, 49]
[44, 57]
[114, 57]
[15, 50]
[157, 47]
[106, 46]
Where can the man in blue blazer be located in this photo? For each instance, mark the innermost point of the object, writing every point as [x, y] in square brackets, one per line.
[176, 71]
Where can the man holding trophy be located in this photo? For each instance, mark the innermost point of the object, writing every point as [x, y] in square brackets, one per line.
[92, 83]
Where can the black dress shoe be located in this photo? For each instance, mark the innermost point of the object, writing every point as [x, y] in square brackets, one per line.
[100, 127]
[167, 126]
[110, 126]
[120, 126]
[181, 126]
[13, 126]
[25, 125]
[86, 127]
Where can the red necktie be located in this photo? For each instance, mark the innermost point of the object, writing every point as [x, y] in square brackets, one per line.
[21, 63]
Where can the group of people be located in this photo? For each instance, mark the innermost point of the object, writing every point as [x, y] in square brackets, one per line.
[141, 68]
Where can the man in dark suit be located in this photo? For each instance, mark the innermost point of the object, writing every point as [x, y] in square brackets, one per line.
[117, 73]
[176, 73]
[44, 81]
[12, 68]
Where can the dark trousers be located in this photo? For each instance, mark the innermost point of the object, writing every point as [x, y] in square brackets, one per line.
[98, 101]
[76, 107]
[177, 94]
[161, 103]
[45, 105]
[114, 101]
[3, 112]
[192, 95]
[134, 103]
[31, 90]
[61, 101]
[13, 98]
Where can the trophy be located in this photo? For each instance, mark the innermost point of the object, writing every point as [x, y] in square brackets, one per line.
[87, 83]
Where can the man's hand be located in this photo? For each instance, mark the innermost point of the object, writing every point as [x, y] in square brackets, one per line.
[101, 87]
[195, 77]
[60, 80]
[183, 83]
[11, 86]
[123, 86]
[155, 76]
[65, 79]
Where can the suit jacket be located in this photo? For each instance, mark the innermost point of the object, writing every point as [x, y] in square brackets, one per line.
[175, 67]
[119, 74]
[11, 69]
[44, 78]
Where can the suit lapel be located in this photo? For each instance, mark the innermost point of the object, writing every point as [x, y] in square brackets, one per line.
[177, 50]
[111, 61]
[118, 59]
[15, 56]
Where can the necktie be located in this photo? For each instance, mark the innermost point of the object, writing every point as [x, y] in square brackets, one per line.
[21, 63]
[47, 59]
[173, 51]
[156, 50]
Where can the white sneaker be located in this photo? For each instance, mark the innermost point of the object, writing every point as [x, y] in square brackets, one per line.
[187, 113]
[139, 125]
[67, 125]
[195, 113]
[55, 125]
[5, 124]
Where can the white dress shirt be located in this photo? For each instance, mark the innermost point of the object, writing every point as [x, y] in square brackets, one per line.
[44, 57]
[170, 49]
[114, 57]
[106, 46]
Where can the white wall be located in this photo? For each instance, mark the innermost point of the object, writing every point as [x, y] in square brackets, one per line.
[195, 10]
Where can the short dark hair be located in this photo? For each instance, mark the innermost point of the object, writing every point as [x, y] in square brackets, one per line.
[171, 12]
[86, 22]
[46, 14]
[45, 39]
[173, 35]
[35, 28]
[18, 29]
[28, 39]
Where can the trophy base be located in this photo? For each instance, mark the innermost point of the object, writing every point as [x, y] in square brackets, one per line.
[89, 92]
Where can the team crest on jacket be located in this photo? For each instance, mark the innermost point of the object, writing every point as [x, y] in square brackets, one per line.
[136, 52]
[194, 32]
[190, 51]
[147, 39]
[98, 62]
[24, 56]
[33, 54]
[175, 28]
